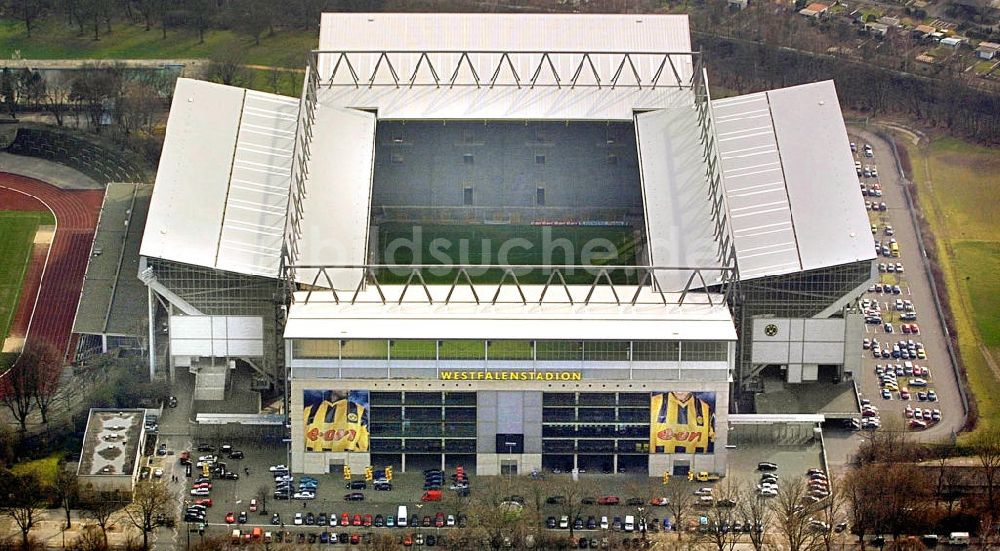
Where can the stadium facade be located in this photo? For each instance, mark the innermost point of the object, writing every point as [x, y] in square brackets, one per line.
[510, 242]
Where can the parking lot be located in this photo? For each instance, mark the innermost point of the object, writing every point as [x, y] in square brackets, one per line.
[901, 294]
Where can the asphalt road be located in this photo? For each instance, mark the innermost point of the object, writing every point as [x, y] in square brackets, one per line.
[916, 287]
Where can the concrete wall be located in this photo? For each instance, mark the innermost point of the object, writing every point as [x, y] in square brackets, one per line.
[803, 344]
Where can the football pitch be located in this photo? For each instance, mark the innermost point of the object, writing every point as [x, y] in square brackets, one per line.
[519, 245]
[17, 232]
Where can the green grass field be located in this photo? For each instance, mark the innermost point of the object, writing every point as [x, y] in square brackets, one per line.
[54, 39]
[956, 186]
[46, 469]
[17, 231]
[436, 244]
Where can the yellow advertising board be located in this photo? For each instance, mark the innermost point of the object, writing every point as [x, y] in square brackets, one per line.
[682, 422]
[336, 420]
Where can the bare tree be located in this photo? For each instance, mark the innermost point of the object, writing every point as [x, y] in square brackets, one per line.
[149, 500]
[17, 393]
[756, 512]
[65, 490]
[832, 513]
[575, 493]
[23, 501]
[262, 492]
[792, 517]
[101, 510]
[721, 517]
[226, 67]
[493, 519]
[987, 449]
[681, 500]
[46, 365]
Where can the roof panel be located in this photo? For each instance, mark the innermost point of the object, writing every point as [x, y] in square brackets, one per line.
[401, 50]
[254, 222]
[831, 223]
[760, 214]
[336, 208]
[680, 231]
[185, 215]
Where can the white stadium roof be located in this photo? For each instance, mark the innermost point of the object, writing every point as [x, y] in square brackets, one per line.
[221, 190]
[369, 317]
[790, 182]
[496, 66]
[224, 179]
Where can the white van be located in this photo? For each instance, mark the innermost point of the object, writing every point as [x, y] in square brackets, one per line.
[958, 538]
[629, 523]
[401, 516]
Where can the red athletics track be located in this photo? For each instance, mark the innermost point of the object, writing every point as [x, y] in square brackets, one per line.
[50, 317]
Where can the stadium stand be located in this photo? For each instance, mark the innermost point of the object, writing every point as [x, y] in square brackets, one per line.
[100, 163]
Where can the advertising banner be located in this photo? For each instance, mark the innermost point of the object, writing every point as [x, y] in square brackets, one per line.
[682, 422]
[336, 420]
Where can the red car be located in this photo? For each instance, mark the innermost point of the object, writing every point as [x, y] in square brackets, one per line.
[357, 520]
[345, 519]
[608, 500]
[368, 520]
[253, 505]
[207, 502]
[230, 517]
[205, 485]
[439, 520]
[408, 540]
[355, 539]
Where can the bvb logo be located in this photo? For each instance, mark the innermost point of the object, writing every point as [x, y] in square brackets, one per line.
[771, 330]
[352, 417]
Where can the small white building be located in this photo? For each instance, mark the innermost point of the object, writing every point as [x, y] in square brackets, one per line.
[987, 50]
[952, 42]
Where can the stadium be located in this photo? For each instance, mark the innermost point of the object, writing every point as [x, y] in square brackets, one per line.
[509, 242]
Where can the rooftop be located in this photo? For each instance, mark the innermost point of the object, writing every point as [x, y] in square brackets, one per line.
[395, 311]
[223, 179]
[793, 204]
[504, 66]
[111, 442]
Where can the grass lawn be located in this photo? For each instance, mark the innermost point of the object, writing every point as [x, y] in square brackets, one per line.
[17, 231]
[404, 243]
[46, 468]
[956, 183]
[54, 39]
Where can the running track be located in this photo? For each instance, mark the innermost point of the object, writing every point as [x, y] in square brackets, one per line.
[76, 213]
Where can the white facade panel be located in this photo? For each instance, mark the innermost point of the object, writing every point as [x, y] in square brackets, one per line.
[823, 352]
[217, 336]
[244, 327]
[191, 327]
[191, 347]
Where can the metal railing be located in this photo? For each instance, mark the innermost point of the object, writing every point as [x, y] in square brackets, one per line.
[708, 282]
[471, 67]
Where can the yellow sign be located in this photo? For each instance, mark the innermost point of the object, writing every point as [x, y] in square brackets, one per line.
[511, 376]
[682, 422]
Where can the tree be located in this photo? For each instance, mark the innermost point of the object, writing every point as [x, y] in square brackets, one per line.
[65, 490]
[149, 500]
[574, 492]
[862, 511]
[46, 366]
[17, 393]
[680, 500]
[226, 67]
[493, 518]
[791, 517]
[721, 518]
[101, 510]
[56, 99]
[986, 446]
[756, 512]
[262, 492]
[23, 501]
[28, 11]
[832, 513]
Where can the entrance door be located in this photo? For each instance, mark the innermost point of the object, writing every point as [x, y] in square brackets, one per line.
[508, 467]
[682, 467]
